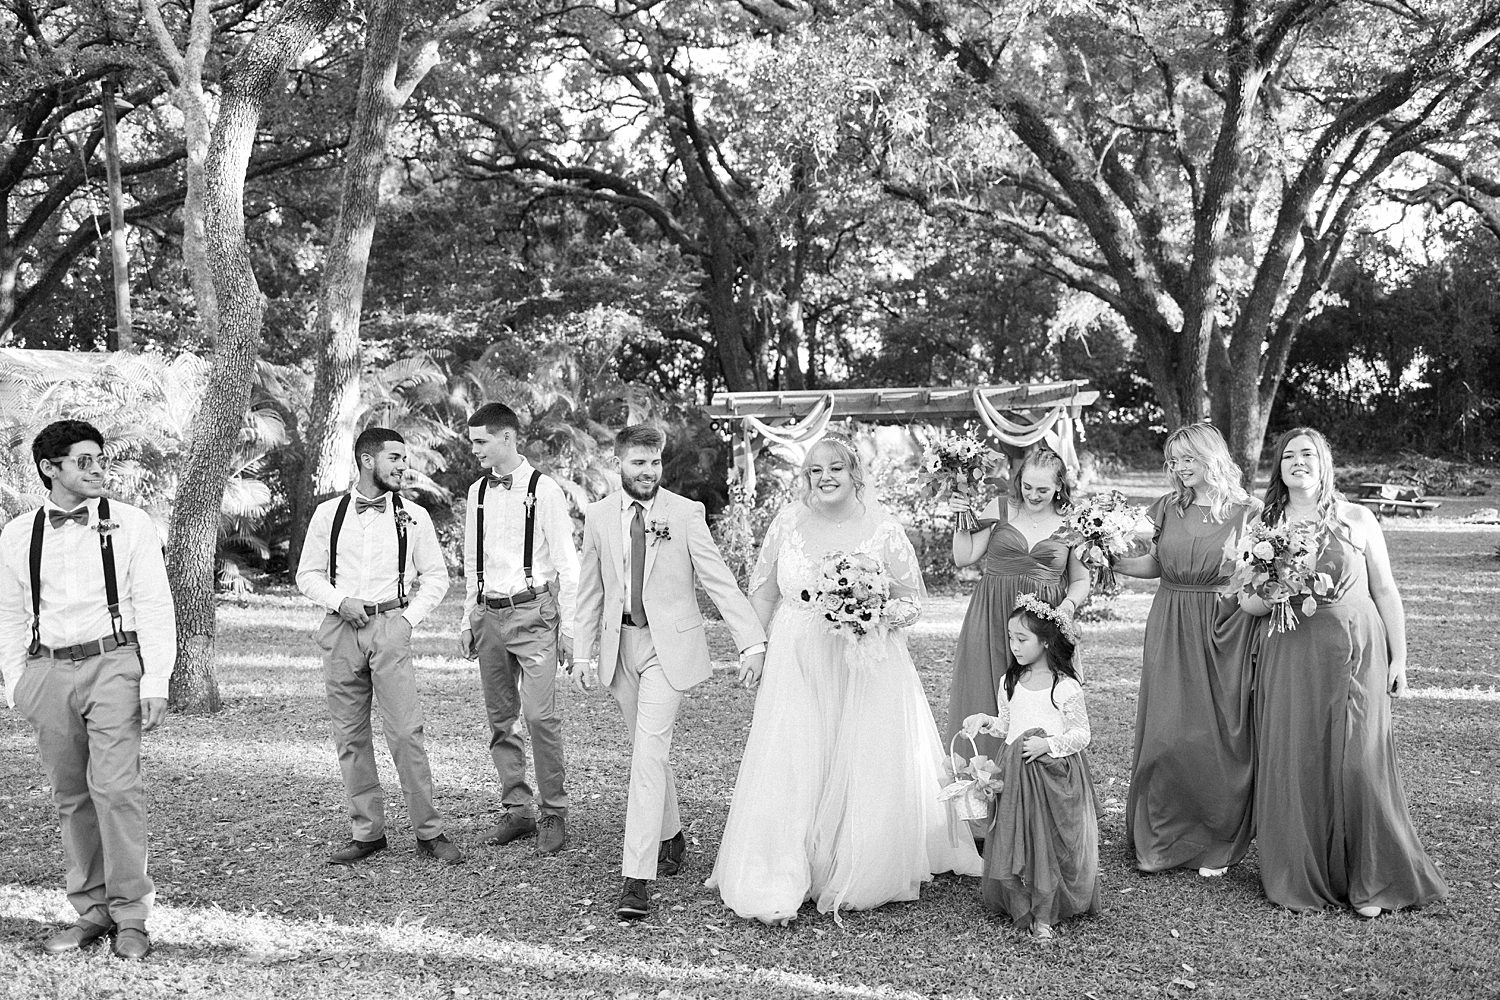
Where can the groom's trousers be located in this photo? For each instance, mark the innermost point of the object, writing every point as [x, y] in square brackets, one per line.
[649, 705]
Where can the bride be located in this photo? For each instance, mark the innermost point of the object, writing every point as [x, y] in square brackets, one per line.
[837, 796]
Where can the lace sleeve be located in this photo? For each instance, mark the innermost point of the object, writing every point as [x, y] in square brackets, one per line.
[1001, 726]
[901, 562]
[763, 584]
[1075, 735]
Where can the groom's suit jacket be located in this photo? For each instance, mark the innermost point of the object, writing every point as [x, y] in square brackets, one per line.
[672, 565]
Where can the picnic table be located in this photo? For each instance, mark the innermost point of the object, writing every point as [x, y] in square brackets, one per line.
[1393, 498]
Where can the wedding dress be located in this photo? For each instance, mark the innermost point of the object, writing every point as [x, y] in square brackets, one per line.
[837, 796]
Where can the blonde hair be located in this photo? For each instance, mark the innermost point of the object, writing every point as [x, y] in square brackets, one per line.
[846, 453]
[1221, 476]
[1039, 456]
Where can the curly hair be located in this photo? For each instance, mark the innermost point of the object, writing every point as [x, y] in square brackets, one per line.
[845, 452]
[1039, 456]
[1221, 476]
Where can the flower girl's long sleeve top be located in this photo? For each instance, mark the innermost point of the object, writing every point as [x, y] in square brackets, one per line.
[1066, 723]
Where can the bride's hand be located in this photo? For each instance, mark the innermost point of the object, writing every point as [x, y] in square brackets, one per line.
[901, 612]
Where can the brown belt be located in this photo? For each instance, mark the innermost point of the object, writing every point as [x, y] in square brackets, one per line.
[384, 606]
[524, 597]
[628, 622]
[84, 650]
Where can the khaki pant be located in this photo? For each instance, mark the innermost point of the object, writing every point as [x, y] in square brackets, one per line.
[87, 717]
[649, 704]
[358, 663]
[517, 650]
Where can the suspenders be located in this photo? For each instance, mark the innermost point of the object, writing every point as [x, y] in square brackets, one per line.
[111, 581]
[333, 545]
[528, 544]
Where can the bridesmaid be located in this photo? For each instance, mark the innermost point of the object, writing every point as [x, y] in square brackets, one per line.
[1021, 556]
[1333, 828]
[1192, 780]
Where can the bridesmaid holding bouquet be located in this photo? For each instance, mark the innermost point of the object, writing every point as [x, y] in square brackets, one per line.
[1333, 826]
[1192, 779]
[1021, 553]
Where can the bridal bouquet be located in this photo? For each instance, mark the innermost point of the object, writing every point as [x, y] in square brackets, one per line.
[1105, 525]
[1278, 563]
[973, 782]
[957, 464]
[852, 592]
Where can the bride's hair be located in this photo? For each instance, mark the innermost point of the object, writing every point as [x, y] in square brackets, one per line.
[846, 453]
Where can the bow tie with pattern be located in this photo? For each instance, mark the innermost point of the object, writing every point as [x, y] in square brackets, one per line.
[62, 517]
[361, 505]
[501, 482]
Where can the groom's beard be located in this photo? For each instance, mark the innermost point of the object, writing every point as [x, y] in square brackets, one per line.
[636, 492]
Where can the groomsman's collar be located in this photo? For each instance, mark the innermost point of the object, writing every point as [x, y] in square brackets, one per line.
[648, 505]
[91, 504]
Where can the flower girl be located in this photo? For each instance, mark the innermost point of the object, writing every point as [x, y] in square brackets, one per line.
[1041, 858]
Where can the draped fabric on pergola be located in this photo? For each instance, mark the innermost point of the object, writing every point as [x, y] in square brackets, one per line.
[1016, 416]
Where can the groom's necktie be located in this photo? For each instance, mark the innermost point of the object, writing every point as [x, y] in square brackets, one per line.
[637, 565]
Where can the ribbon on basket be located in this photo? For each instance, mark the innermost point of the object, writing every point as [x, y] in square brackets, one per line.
[973, 782]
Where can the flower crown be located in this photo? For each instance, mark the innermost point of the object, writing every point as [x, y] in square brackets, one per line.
[1041, 609]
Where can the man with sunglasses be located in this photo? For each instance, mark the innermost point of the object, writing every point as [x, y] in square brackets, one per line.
[88, 640]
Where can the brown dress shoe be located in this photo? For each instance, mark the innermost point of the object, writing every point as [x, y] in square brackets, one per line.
[513, 825]
[635, 899]
[356, 850]
[80, 935]
[441, 848]
[551, 834]
[131, 943]
[671, 854]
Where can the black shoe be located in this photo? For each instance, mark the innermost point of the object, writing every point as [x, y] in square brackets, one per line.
[357, 850]
[635, 899]
[670, 855]
[441, 848]
[513, 825]
[80, 935]
[131, 944]
[551, 834]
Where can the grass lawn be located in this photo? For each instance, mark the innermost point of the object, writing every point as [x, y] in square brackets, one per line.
[245, 805]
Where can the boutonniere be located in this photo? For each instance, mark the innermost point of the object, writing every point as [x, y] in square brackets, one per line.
[405, 520]
[660, 531]
[106, 526]
[529, 502]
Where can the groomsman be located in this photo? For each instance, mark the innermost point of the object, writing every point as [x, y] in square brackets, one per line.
[643, 549]
[365, 552]
[520, 579]
[88, 640]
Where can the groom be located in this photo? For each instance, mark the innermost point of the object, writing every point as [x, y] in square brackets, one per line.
[642, 548]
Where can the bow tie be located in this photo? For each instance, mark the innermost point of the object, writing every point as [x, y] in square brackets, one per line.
[62, 517]
[361, 505]
[503, 482]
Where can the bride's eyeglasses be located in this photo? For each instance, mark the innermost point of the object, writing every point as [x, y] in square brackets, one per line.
[85, 463]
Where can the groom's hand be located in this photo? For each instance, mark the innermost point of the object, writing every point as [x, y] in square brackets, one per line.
[466, 644]
[751, 665]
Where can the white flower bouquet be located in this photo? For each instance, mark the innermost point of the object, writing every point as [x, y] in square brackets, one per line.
[957, 464]
[1278, 563]
[852, 593]
[1104, 525]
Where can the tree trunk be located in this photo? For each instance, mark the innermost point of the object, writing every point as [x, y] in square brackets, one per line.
[247, 83]
[328, 457]
[1248, 413]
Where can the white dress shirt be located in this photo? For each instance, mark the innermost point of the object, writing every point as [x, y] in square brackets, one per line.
[367, 558]
[627, 515]
[553, 557]
[74, 607]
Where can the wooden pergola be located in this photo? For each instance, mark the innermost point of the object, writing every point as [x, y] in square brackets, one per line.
[797, 420]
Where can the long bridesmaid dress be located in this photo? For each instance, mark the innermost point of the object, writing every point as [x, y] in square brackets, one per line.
[1009, 569]
[1193, 775]
[1333, 828]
